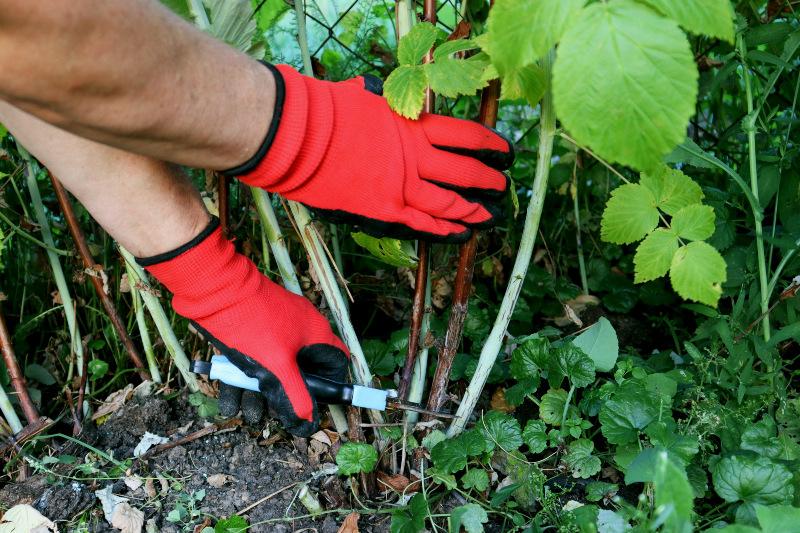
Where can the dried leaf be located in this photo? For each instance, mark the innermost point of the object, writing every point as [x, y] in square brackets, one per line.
[124, 284]
[149, 488]
[398, 482]
[23, 517]
[57, 298]
[148, 441]
[350, 524]
[109, 501]
[322, 437]
[133, 482]
[217, 480]
[499, 401]
[114, 401]
[128, 519]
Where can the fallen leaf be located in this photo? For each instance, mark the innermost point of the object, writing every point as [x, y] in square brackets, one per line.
[124, 284]
[128, 519]
[322, 437]
[350, 524]
[24, 518]
[133, 482]
[164, 485]
[217, 480]
[571, 505]
[150, 488]
[148, 441]
[499, 403]
[109, 501]
[113, 402]
[398, 482]
[144, 389]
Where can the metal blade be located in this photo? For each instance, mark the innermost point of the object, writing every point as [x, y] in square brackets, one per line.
[406, 406]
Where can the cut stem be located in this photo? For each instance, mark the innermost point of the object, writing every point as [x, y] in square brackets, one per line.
[417, 383]
[15, 374]
[494, 343]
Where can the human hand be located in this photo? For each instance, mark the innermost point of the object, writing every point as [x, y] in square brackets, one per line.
[338, 148]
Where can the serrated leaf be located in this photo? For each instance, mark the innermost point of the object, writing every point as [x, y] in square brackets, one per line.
[232, 524]
[411, 518]
[530, 358]
[597, 490]
[752, 480]
[783, 518]
[697, 273]
[517, 393]
[694, 222]
[551, 406]
[708, 17]
[672, 189]
[454, 77]
[630, 409]
[569, 361]
[681, 448]
[630, 214]
[448, 48]
[404, 90]
[391, 251]
[528, 82]
[760, 437]
[356, 457]
[580, 461]
[654, 255]
[470, 516]
[643, 81]
[449, 457]
[416, 43]
[477, 479]
[600, 343]
[521, 31]
[535, 436]
[500, 430]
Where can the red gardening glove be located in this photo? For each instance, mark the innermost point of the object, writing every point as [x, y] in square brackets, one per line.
[268, 332]
[339, 149]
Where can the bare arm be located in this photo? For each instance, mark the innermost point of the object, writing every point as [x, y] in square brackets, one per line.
[149, 206]
[130, 74]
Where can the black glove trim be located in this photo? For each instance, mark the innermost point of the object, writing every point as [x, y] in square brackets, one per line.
[280, 97]
[166, 256]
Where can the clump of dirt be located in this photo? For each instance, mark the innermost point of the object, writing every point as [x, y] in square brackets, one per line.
[235, 471]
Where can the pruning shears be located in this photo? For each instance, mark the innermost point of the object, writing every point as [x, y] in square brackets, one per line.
[324, 390]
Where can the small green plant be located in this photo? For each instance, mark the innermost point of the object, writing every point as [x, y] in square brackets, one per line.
[186, 513]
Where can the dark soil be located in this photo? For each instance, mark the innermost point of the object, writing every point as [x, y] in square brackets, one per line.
[255, 467]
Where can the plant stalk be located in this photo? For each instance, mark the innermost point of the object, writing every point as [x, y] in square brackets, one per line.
[15, 375]
[160, 318]
[141, 323]
[494, 343]
[55, 263]
[272, 230]
[88, 263]
[8, 412]
[417, 384]
[578, 238]
[750, 128]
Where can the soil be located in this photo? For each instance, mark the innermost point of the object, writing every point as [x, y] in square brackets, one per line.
[254, 463]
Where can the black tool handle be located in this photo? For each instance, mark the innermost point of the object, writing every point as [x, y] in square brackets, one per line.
[328, 391]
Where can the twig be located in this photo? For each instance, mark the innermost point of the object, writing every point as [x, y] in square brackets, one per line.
[31, 430]
[199, 434]
[267, 497]
[463, 281]
[15, 374]
[88, 262]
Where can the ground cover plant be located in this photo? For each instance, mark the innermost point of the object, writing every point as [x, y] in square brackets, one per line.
[620, 354]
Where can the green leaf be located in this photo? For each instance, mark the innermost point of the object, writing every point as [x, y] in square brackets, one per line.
[580, 460]
[232, 22]
[694, 222]
[597, 490]
[449, 456]
[416, 43]
[97, 368]
[404, 90]
[697, 273]
[39, 373]
[630, 409]
[528, 82]
[535, 436]
[391, 251]
[206, 406]
[551, 407]
[448, 48]
[356, 457]
[529, 358]
[783, 518]
[672, 189]
[454, 77]
[643, 81]
[600, 343]
[232, 524]
[629, 215]
[470, 516]
[654, 255]
[673, 495]
[411, 518]
[433, 438]
[3, 131]
[178, 7]
[761, 438]
[709, 17]
[521, 31]
[517, 393]
[642, 468]
[269, 13]
[752, 480]
[501, 430]
[472, 441]
[569, 361]
[477, 479]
